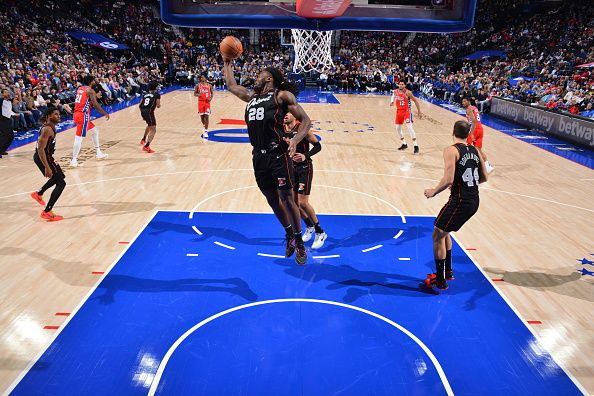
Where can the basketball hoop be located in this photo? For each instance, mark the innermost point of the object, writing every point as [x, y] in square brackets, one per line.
[312, 50]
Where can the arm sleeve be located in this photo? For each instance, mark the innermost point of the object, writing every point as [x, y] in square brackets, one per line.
[317, 147]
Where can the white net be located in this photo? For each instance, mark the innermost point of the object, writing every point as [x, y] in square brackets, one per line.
[312, 50]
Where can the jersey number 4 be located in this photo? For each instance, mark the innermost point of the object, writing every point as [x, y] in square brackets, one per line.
[256, 114]
[470, 177]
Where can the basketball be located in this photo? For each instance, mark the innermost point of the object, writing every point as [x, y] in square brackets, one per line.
[231, 47]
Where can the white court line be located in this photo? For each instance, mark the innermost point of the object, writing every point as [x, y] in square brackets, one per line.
[177, 343]
[270, 255]
[398, 235]
[223, 245]
[192, 255]
[367, 195]
[513, 308]
[372, 248]
[191, 215]
[197, 230]
[78, 307]
[317, 170]
[404, 258]
[325, 257]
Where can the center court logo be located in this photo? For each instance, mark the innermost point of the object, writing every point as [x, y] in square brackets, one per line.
[87, 153]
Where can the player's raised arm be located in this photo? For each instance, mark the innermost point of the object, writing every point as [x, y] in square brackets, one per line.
[473, 121]
[241, 92]
[449, 159]
[288, 99]
[96, 105]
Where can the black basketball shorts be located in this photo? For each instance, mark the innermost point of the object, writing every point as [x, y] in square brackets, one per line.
[303, 177]
[273, 170]
[149, 117]
[455, 213]
[58, 173]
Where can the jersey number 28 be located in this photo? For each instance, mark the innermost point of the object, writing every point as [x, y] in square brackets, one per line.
[471, 177]
[256, 113]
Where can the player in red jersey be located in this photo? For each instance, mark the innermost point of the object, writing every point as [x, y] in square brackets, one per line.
[475, 137]
[203, 91]
[402, 99]
[85, 98]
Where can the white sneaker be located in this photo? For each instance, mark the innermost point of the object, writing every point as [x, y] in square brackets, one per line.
[309, 231]
[205, 135]
[74, 163]
[490, 168]
[101, 155]
[319, 240]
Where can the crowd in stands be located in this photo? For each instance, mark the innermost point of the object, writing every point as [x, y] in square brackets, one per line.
[42, 66]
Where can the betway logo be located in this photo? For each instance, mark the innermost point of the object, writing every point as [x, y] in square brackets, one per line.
[506, 109]
[321, 8]
[575, 128]
[540, 118]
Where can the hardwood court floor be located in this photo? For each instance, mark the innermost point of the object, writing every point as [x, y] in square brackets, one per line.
[536, 216]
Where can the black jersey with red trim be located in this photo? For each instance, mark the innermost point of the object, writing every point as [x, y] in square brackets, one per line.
[264, 118]
[466, 177]
[149, 101]
[303, 145]
[50, 147]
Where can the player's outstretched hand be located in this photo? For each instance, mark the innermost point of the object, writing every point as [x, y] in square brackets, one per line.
[420, 116]
[292, 148]
[429, 193]
[298, 157]
[107, 116]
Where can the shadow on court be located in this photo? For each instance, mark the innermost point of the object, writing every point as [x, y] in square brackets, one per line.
[106, 208]
[115, 283]
[356, 283]
[565, 284]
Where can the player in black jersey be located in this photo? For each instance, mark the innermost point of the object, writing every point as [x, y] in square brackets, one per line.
[303, 168]
[44, 159]
[150, 101]
[464, 170]
[273, 97]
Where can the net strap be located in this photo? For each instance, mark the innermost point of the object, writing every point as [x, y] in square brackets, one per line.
[312, 50]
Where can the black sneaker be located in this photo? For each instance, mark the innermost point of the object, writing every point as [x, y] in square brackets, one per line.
[416, 150]
[290, 246]
[449, 275]
[403, 147]
[301, 256]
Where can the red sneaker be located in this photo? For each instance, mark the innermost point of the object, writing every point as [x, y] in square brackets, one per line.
[38, 198]
[431, 281]
[148, 150]
[50, 216]
[142, 142]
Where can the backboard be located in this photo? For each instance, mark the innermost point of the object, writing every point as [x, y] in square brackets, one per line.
[439, 16]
